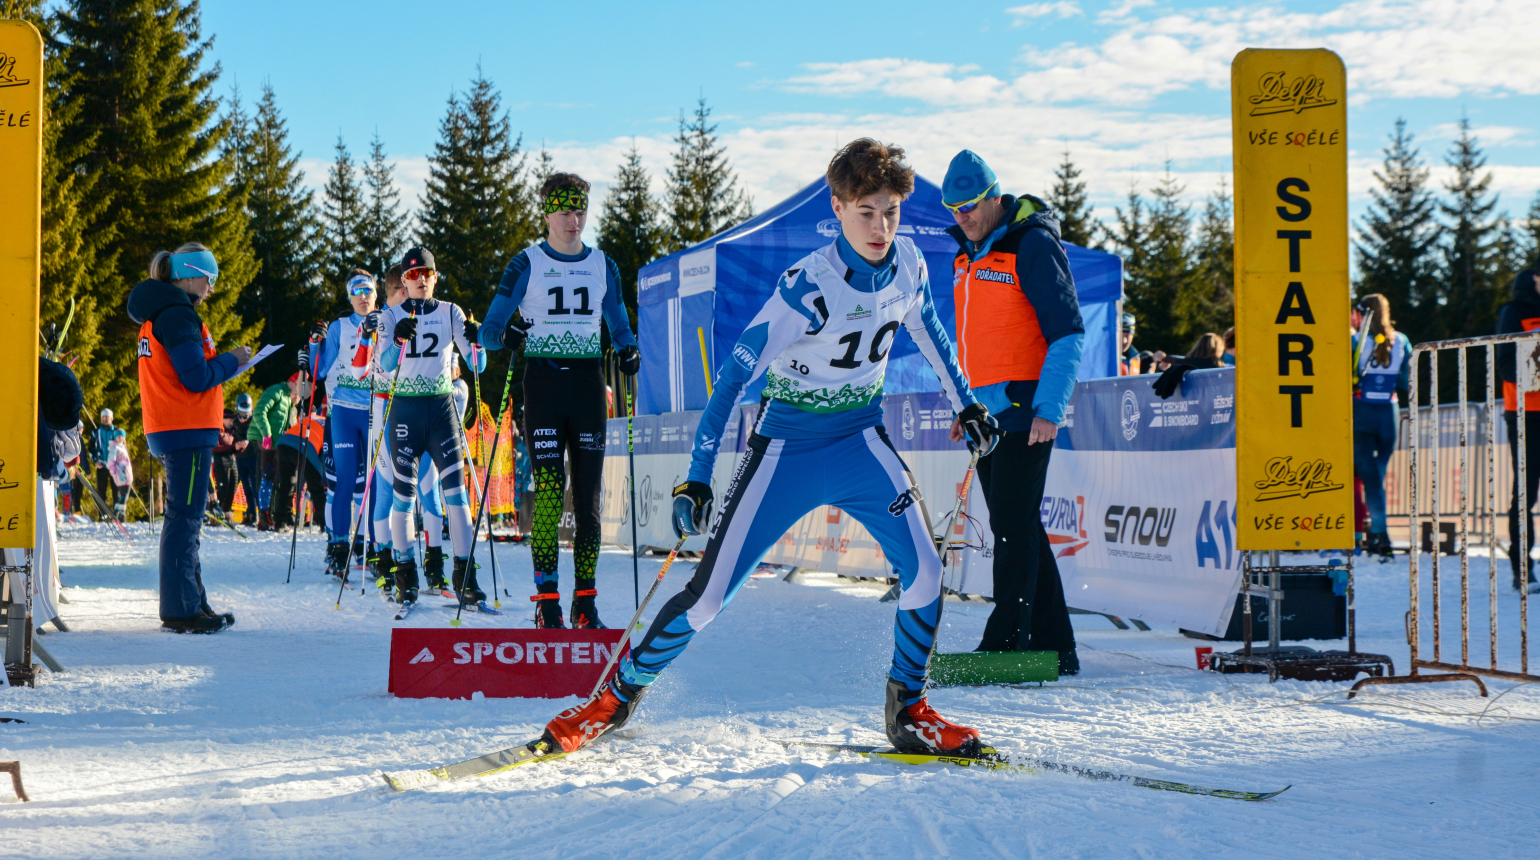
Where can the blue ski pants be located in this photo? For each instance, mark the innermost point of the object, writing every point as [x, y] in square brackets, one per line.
[349, 439]
[777, 482]
[187, 493]
[427, 426]
[1374, 440]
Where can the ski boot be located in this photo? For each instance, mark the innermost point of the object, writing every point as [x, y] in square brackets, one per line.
[406, 581]
[360, 556]
[384, 569]
[466, 588]
[548, 607]
[583, 613]
[265, 522]
[337, 559]
[1377, 544]
[433, 569]
[577, 727]
[917, 728]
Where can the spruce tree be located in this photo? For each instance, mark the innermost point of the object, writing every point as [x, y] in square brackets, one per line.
[1170, 273]
[631, 231]
[288, 292]
[342, 217]
[1529, 237]
[477, 211]
[1130, 236]
[1398, 237]
[1068, 199]
[384, 229]
[1209, 303]
[545, 165]
[1472, 266]
[145, 130]
[702, 198]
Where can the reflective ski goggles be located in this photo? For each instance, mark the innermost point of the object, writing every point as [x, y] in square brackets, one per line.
[969, 205]
[359, 285]
[563, 199]
[421, 274]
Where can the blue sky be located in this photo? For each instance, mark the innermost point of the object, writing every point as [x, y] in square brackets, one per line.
[1126, 86]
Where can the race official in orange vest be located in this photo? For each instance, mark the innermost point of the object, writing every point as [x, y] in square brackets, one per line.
[180, 388]
[1019, 337]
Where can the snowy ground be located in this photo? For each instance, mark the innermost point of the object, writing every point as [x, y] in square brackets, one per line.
[268, 740]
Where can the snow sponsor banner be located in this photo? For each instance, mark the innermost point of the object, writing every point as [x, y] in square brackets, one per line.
[21, 154]
[433, 663]
[1139, 504]
[1294, 450]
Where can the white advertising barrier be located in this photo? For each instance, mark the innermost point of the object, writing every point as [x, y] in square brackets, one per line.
[1139, 503]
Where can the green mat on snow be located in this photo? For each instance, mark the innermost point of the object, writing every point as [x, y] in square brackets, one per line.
[994, 667]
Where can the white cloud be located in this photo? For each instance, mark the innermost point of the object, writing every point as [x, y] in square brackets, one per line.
[1393, 48]
[1033, 11]
[1486, 135]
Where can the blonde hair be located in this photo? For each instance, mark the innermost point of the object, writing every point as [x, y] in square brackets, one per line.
[160, 264]
[1381, 330]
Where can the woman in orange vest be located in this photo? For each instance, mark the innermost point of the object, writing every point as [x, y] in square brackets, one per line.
[180, 379]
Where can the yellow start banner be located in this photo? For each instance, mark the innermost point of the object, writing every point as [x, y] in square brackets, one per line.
[1293, 387]
[21, 194]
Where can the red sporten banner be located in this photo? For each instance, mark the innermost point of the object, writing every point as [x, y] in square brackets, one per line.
[535, 664]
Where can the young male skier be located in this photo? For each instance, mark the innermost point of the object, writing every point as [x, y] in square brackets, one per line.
[423, 335]
[562, 288]
[823, 341]
[347, 421]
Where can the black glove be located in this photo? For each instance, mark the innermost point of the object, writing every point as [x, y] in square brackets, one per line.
[692, 508]
[515, 333]
[406, 329]
[371, 322]
[304, 361]
[630, 360]
[318, 332]
[1171, 380]
[472, 331]
[982, 429]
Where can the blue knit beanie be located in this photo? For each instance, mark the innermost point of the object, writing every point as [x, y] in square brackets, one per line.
[966, 177]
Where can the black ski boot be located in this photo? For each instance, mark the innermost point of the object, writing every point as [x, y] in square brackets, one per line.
[1378, 545]
[466, 588]
[406, 581]
[584, 614]
[433, 569]
[360, 555]
[384, 569]
[917, 728]
[548, 607]
[337, 559]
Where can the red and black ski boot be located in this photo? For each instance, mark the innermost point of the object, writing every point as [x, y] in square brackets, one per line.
[578, 727]
[548, 607]
[583, 614]
[917, 728]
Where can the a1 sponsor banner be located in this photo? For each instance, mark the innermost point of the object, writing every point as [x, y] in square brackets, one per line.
[498, 663]
[1139, 504]
[1294, 448]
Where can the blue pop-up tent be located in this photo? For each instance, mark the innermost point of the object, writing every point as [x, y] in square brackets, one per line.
[693, 305]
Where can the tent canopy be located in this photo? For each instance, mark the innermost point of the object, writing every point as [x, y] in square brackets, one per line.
[693, 305]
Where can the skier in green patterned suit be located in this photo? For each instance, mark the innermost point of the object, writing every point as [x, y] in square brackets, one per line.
[561, 288]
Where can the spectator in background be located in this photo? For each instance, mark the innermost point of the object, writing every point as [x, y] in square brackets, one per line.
[1520, 315]
[1019, 337]
[1207, 352]
[180, 380]
[1381, 371]
[274, 413]
[247, 459]
[1229, 339]
[1129, 364]
[232, 440]
[103, 440]
[287, 448]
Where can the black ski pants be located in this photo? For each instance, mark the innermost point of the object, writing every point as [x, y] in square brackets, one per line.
[226, 476]
[1531, 483]
[565, 413]
[283, 488]
[1030, 613]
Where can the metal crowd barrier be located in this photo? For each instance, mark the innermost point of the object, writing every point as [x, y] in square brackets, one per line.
[1481, 509]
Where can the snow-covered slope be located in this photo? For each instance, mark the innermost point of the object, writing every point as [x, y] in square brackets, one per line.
[268, 740]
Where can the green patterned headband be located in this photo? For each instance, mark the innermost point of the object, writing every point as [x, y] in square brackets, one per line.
[563, 199]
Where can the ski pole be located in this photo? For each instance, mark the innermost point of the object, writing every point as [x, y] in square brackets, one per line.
[636, 550]
[299, 468]
[946, 537]
[476, 523]
[486, 491]
[486, 479]
[615, 656]
[374, 460]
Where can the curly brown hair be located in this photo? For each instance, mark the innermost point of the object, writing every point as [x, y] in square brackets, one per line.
[561, 182]
[866, 166]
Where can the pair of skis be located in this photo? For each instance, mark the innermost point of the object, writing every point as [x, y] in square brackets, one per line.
[538, 751]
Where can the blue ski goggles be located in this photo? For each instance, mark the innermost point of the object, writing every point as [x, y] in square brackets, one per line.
[360, 285]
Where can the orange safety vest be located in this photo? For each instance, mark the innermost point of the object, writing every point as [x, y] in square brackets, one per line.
[1511, 390]
[168, 405]
[998, 336]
